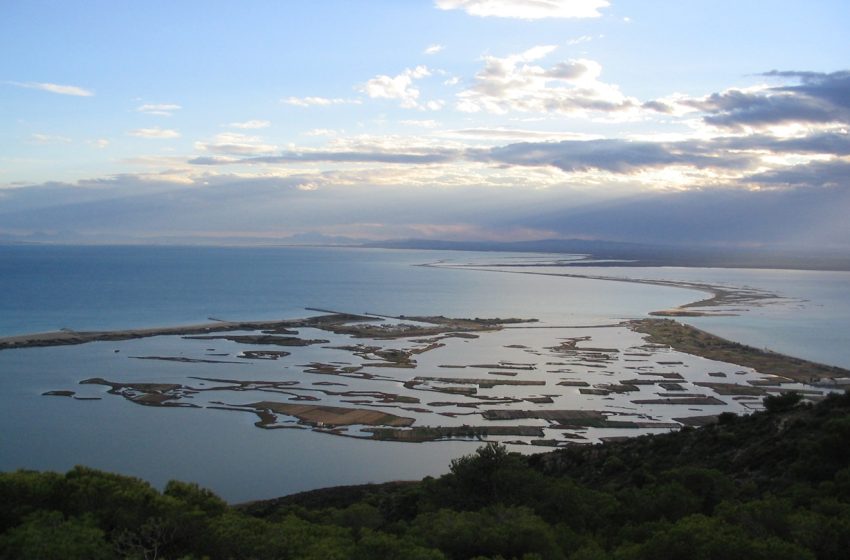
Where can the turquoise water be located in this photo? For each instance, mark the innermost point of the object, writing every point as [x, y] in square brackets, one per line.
[83, 288]
[48, 288]
[811, 319]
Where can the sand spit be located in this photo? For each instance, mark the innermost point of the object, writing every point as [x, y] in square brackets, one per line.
[262, 339]
[67, 336]
[183, 359]
[360, 326]
[720, 296]
[690, 340]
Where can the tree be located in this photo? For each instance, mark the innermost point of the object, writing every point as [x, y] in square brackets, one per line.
[782, 402]
[475, 482]
[705, 538]
[47, 535]
[494, 531]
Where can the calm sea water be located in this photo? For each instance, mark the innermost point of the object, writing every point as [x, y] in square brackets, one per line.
[811, 319]
[48, 288]
[84, 288]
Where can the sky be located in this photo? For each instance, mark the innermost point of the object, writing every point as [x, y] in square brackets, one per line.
[710, 122]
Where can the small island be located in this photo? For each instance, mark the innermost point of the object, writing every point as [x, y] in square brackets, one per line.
[557, 388]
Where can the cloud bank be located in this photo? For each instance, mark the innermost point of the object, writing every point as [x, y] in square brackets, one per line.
[232, 206]
[820, 99]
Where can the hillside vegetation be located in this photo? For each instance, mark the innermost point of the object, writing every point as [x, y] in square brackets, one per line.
[773, 485]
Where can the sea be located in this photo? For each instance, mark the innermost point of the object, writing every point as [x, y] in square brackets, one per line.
[49, 288]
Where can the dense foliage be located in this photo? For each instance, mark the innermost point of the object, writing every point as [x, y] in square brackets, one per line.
[774, 485]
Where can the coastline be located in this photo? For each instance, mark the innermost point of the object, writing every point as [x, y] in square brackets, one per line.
[697, 342]
[649, 375]
[451, 425]
[684, 339]
[71, 337]
[720, 296]
[332, 321]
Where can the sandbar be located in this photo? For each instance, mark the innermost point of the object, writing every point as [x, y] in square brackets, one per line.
[691, 340]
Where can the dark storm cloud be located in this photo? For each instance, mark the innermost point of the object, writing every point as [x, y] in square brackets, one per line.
[658, 107]
[624, 156]
[827, 143]
[819, 98]
[611, 155]
[805, 208]
[616, 156]
[815, 174]
[832, 88]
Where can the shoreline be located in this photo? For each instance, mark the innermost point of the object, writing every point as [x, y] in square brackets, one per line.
[370, 406]
[720, 295]
[639, 384]
[697, 342]
[70, 337]
[333, 321]
[686, 338]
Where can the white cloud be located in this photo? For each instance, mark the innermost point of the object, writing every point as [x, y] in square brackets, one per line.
[434, 49]
[55, 88]
[401, 87]
[434, 105]
[155, 132]
[569, 87]
[158, 162]
[234, 143]
[453, 81]
[502, 133]
[252, 124]
[322, 132]
[527, 9]
[319, 101]
[430, 123]
[38, 138]
[161, 109]
[99, 143]
[394, 145]
[580, 40]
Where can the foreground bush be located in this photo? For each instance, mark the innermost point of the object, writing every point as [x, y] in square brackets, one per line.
[774, 485]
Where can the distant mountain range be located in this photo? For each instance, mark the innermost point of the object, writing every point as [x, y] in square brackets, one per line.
[617, 252]
[797, 227]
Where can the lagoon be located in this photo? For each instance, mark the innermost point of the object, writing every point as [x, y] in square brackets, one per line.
[48, 288]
